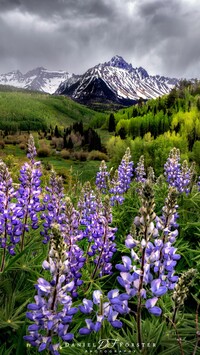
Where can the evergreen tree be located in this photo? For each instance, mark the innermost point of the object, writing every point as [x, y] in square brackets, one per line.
[111, 123]
[198, 104]
[56, 132]
[135, 112]
[92, 139]
[78, 127]
[69, 143]
[122, 133]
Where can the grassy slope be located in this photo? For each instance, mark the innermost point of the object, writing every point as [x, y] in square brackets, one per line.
[80, 170]
[16, 106]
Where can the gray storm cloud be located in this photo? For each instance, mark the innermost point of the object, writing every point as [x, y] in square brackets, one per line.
[161, 36]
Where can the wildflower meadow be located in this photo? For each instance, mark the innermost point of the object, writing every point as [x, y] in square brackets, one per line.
[110, 269]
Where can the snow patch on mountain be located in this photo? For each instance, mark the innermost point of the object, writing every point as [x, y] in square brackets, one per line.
[116, 81]
[39, 79]
[124, 81]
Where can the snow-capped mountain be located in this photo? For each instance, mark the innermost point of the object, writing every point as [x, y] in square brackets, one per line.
[115, 81]
[39, 79]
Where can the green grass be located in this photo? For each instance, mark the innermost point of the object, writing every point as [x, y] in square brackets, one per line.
[104, 135]
[14, 150]
[31, 110]
[80, 170]
[77, 170]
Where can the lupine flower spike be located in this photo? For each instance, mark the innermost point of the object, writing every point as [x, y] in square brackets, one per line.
[52, 311]
[180, 176]
[28, 194]
[103, 309]
[149, 272]
[122, 179]
[181, 289]
[172, 167]
[96, 216]
[9, 232]
[125, 171]
[102, 178]
[150, 174]
[54, 205]
[75, 259]
[140, 170]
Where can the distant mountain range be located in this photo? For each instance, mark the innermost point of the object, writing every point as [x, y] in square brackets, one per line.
[39, 79]
[113, 82]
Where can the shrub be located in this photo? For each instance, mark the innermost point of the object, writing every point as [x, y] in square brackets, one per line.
[82, 156]
[11, 139]
[23, 138]
[43, 152]
[57, 143]
[47, 166]
[2, 144]
[9, 160]
[97, 155]
[22, 146]
[65, 154]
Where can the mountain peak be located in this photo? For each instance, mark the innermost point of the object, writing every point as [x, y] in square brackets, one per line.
[36, 71]
[38, 79]
[142, 73]
[114, 82]
[119, 62]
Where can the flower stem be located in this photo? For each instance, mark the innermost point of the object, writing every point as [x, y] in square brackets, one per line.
[178, 337]
[98, 262]
[23, 234]
[139, 304]
[3, 260]
[174, 314]
[5, 233]
[197, 330]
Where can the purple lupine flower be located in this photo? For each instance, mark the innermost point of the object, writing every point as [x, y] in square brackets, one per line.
[89, 204]
[150, 305]
[28, 193]
[71, 235]
[54, 205]
[150, 268]
[183, 180]
[9, 224]
[104, 246]
[115, 190]
[172, 167]
[140, 171]
[52, 311]
[180, 176]
[31, 154]
[198, 183]
[104, 309]
[61, 211]
[125, 171]
[102, 178]
[167, 225]
[186, 178]
[96, 217]
[69, 229]
[122, 179]
[87, 306]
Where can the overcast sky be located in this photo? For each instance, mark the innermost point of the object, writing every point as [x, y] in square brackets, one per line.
[163, 36]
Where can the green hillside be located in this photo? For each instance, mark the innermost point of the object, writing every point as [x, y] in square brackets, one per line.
[154, 127]
[26, 110]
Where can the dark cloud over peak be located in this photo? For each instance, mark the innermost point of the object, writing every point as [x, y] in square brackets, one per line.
[159, 35]
[150, 8]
